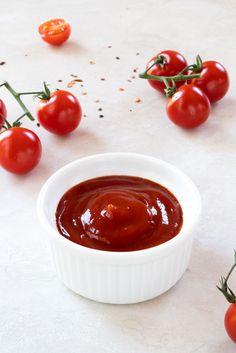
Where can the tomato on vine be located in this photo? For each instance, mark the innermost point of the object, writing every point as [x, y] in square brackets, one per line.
[55, 32]
[230, 315]
[165, 63]
[214, 80]
[20, 150]
[188, 107]
[60, 113]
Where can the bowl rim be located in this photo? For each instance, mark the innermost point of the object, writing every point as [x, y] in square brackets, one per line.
[180, 237]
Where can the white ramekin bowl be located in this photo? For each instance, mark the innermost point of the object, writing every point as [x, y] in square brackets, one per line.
[120, 277]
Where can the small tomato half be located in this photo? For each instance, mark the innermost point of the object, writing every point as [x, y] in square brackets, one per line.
[55, 32]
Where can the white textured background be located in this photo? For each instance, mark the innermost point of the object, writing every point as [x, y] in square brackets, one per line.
[37, 313]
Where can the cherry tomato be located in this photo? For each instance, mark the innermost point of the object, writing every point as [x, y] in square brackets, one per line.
[60, 114]
[20, 150]
[174, 63]
[214, 80]
[189, 107]
[230, 321]
[55, 32]
[3, 113]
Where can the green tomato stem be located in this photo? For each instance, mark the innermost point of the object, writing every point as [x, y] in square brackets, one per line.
[224, 288]
[161, 60]
[40, 94]
[30, 93]
[18, 99]
[196, 67]
[176, 78]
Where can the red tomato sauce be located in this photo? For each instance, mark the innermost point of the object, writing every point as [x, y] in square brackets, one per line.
[119, 213]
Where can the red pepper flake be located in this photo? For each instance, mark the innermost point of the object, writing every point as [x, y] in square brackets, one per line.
[2, 63]
[70, 84]
[73, 82]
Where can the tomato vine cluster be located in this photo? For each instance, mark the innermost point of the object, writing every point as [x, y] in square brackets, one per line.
[58, 112]
[230, 315]
[191, 88]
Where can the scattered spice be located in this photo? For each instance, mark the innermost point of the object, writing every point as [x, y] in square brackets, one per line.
[84, 93]
[84, 115]
[130, 110]
[133, 77]
[73, 82]
[97, 100]
[129, 80]
[99, 109]
[137, 100]
[2, 63]
[92, 62]
[38, 124]
[81, 85]
[59, 80]
[135, 70]
[70, 84]
[72, 75]
[137, 53]
[102, 79]
[117, 58]
[101, 116]
[109, 46]
[121, 89]
[26, 54]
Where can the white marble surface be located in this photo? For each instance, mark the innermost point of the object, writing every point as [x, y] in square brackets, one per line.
[37, 313]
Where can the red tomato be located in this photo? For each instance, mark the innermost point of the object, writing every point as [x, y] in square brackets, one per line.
[230, 321]
[3, 113]
[175, 62]
[214, 80]
[189, 107]
[55, 31]
[20, 150]
[60, 114]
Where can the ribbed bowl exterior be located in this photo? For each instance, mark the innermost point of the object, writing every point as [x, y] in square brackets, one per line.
[120, 283]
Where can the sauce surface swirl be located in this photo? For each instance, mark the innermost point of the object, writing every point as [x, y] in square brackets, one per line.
[119, 213]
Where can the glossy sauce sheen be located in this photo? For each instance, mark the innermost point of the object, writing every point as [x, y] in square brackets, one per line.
[119, 213]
